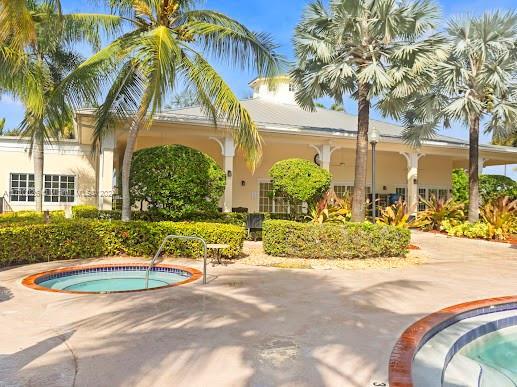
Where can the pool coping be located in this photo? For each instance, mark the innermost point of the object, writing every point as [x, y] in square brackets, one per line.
[30, 281]
[401, 360]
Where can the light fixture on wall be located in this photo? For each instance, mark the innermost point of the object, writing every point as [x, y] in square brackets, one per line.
[317, 160]
[243, 183]
[229, 173]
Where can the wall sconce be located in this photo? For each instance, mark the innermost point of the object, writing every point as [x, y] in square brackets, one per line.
[384, 188]
[415, 181]
[229, 173]
[243, 183]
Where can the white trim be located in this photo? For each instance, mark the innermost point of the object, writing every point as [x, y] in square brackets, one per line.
[265, 180]
[61, 149]
[307, 131]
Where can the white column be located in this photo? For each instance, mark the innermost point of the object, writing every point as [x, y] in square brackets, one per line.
[228, 151]
[105, 175]
[481, 164]
[412, 180]
[325, 154]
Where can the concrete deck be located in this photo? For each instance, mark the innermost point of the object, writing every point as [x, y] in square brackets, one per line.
[249, 326]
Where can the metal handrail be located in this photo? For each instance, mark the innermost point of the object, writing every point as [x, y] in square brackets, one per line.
[4, 205]
[166, 239]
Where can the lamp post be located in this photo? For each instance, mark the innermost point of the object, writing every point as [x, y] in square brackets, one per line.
[373, 138]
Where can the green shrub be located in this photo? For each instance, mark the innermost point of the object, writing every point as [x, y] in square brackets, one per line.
[27, 217]
[92, 238]
[175, 181]
[91, 212]
[467, 230]
[348, 240]
[491, 187]
[460, 185]
[85, 212]
[300, 180]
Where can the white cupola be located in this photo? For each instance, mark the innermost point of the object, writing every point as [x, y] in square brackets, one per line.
[281, 90]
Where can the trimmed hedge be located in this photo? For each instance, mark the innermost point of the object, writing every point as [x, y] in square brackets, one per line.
[92, 238]
[29, 217]
[334, 241]
[91, 212]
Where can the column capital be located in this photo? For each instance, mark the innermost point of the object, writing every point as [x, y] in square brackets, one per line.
[412, 158]
[227, 145]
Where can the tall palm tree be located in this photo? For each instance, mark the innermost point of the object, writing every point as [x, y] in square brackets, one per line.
[363, 48]
[508, 139]
[477, 82]
[33, 65]
[165, 46]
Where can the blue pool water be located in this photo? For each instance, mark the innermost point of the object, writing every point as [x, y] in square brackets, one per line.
[498, 351]
[117, 280]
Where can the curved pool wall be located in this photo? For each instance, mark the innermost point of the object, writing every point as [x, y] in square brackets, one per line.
[490, 360]
[431, 351]
[111, 278]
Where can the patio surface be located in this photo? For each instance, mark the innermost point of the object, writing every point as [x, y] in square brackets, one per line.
[250, 326]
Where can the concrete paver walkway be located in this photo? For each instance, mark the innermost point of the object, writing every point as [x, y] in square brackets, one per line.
[249, 326]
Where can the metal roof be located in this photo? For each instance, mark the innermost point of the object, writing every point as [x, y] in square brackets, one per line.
[273, 114]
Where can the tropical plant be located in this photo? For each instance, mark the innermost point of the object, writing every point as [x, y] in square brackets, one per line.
[501, 217]
[508, 139]
[476, 82]
[363, 47]
[42, 60]
[2, 126]
[176, 181]
[164, 45]
[437, 211]
[466, 229]
[331, 208]
[395, 215]
[300, 180]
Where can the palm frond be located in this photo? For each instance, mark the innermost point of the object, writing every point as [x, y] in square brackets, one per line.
[219, 99]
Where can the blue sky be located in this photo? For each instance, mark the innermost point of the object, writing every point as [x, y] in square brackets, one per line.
[278, 17]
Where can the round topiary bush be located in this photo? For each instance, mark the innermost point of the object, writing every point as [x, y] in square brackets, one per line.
[176, 181]
[299, 179]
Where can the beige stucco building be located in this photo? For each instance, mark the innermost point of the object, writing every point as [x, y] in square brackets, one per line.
[75, 175]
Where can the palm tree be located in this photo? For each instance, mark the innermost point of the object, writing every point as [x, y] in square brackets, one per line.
[163, 47]
[363, 47]
[509, 139]
[476, 83]
[31, 68]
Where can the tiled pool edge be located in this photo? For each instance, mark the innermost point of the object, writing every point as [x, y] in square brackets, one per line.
[401, 360]
[32, 280]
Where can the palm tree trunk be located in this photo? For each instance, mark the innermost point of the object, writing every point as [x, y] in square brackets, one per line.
[361, 154]
[38, 156]
[128, 155]
[474, 170]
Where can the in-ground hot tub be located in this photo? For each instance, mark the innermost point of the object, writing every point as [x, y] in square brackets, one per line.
[467, 345]
[115, 278]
